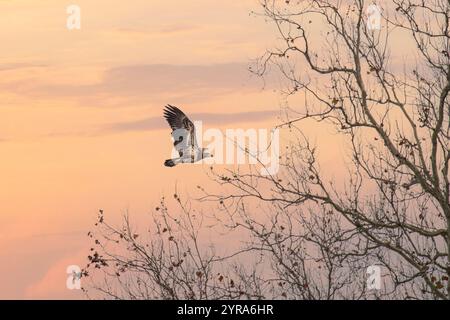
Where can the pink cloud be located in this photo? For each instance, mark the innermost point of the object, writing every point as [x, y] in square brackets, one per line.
[53, 284]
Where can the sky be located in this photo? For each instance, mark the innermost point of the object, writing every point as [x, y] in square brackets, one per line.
[81, 124]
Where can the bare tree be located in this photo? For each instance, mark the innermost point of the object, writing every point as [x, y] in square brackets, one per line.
[395, 118]
[284, 255]
[166, 261]
[305, 236]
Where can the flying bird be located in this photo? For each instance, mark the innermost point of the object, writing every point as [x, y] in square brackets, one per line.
[184, 141]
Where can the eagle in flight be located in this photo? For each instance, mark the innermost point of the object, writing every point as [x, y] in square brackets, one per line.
[184, 141]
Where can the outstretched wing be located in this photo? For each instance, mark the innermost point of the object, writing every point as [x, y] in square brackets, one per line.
[183, 130]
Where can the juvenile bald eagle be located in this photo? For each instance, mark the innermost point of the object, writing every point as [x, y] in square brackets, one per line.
[184, 141]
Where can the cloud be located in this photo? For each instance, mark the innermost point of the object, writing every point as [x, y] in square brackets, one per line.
[52, 285]
[158, 123]
[163, 77]
[174, 28]
[16, 66]
[143, 84]
[155, 123]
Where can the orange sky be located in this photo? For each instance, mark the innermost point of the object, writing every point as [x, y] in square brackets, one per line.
[80, 117]
[81, 123]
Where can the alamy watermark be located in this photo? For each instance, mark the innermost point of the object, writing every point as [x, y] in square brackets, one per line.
[373, 13]
[73, 281]
[74, 17]
[236, 146]
[374, 277]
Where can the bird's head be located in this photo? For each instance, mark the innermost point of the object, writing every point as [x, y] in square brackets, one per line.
[206, 153]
